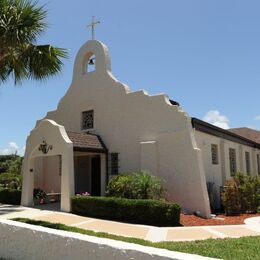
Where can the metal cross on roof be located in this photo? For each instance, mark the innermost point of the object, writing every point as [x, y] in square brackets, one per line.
[93, 25]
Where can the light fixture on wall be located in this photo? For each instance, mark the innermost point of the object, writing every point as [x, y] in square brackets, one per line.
[44, 147]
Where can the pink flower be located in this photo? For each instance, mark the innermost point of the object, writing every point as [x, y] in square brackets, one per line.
[84, 193]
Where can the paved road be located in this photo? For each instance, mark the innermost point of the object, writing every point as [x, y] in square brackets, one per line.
[155, 234]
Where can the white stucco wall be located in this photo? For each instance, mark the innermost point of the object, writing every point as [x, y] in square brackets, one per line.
[47, 173]
[23, 241]
[124, 119]
[149, 157]
[51, 174]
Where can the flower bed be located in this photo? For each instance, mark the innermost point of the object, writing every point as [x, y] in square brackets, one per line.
[192, 220]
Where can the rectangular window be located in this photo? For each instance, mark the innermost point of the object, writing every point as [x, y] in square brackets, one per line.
[232, 161]
[88, 120]
[214, 154]
[247, 157]
[258, 163]
[114, 163]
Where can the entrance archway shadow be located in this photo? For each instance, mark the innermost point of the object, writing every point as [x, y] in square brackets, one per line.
[7, 209]
[50, 206]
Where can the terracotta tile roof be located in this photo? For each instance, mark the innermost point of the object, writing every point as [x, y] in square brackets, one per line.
[86, 142]
[248, 133]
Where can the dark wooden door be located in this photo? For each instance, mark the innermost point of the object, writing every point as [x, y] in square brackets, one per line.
[95, 176]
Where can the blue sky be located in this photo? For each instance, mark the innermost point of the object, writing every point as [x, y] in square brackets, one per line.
[203, 54]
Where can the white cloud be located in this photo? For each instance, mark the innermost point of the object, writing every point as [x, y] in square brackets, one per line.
[257, 117]
[215, 118]
[12, 148]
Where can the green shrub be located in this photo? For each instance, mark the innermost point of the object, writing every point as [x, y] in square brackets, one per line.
[8, 196]
[249, 188]
[139, 185]
[149, 212]
[231, 198]
[241, 194]
[11, 181]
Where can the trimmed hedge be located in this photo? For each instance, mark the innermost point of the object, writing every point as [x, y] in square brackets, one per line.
[8, 196]
[149, 212]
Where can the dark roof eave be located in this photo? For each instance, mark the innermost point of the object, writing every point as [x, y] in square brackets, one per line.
[89, 150]
[219, 132]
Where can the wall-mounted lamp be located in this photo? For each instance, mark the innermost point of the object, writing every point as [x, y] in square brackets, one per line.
[44, 147]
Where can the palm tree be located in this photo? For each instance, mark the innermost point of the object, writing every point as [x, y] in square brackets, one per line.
[21, 22]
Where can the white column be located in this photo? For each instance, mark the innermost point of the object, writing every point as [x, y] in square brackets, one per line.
[67, 179]
[254, 162]
[241, 159]
[28, 182]
[223, 158]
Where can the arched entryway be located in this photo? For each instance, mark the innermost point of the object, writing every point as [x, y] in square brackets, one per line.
[61, 163]
[46, 143]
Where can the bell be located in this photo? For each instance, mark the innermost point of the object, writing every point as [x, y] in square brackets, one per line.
[91, 62]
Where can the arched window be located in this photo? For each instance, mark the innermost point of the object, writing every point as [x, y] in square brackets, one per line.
[90, 64]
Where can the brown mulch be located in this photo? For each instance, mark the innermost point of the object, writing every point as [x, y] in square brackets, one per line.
[192, 220]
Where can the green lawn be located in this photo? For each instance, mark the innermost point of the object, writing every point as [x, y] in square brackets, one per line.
[229, 248]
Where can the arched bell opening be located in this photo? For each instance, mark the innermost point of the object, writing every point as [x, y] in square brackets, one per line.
[90, 63]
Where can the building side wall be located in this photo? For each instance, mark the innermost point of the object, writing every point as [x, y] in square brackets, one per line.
[219, 173]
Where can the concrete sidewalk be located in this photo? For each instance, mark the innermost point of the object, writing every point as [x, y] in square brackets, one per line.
[154, 234]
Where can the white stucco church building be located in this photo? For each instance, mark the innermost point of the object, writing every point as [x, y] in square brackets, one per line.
[100, 129]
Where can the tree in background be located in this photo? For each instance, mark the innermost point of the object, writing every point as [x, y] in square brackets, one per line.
[21, 22]
[10, 171]
[11, 163]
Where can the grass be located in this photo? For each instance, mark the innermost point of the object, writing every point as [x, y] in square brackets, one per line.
[245, 248]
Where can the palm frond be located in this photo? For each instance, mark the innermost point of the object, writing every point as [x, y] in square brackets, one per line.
[43, 61]
[21, 21]
[13, 66]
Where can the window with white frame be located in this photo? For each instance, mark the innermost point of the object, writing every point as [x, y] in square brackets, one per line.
[87, 120]
[248, 166]
[232, 161]
[214, 153]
